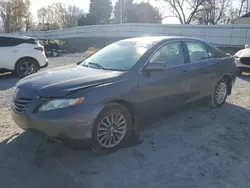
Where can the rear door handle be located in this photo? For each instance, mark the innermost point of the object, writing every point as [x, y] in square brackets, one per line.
[217, 64]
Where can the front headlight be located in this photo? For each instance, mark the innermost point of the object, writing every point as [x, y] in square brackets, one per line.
[60, 103]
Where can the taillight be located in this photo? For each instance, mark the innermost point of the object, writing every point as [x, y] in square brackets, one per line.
[40, 48]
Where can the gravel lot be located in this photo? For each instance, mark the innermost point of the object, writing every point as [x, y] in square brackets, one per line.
[194, 147]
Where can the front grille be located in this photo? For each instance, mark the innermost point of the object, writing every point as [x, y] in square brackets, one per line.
[245, 60]
[19, 105]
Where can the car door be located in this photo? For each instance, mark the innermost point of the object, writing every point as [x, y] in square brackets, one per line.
[166, 88]
[201, 69]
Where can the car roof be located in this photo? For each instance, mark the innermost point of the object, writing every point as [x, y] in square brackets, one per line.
[15, 36]
[156, 39]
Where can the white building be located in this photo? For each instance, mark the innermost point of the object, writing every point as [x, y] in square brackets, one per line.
[244, 19]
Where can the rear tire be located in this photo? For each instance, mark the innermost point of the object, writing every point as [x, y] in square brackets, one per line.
[26, 67]
[111, 129]
[220, 94]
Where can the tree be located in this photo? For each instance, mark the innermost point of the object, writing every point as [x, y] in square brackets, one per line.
[137, 13]
[13, 14]
[29, 24]
[177, 8]
[68, 16]
[58, 16]
[28, 19]
[82, 20]
[213, 12]
[47, 18]
[99, 12]
[243, 8]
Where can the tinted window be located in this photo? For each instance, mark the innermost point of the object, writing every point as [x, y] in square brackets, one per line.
[12, 41]
[197, 51]
[6, 41]
[30, 41]
[171, 54]
[3, 41]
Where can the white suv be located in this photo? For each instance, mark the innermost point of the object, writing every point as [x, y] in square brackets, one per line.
[23, 55]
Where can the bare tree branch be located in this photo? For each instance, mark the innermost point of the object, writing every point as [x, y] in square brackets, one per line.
[177, 8]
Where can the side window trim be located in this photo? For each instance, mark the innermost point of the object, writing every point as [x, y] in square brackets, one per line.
[185, 52]
[195, 41]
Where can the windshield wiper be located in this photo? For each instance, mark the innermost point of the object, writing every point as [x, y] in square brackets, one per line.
[98, 65]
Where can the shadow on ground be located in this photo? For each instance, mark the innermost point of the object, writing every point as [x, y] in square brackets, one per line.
[198, 147]
[8, 81]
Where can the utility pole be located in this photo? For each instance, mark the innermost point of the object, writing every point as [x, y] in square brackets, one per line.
[121, 11]
[247, 7]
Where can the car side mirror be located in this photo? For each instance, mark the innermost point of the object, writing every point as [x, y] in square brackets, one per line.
[78, 63]
[155, 66]
[87, 56]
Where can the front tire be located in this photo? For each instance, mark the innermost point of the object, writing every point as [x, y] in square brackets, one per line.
[111, 129]
[220, 94]
[26, 67]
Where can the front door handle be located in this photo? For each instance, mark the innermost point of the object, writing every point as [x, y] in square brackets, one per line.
[184, 72]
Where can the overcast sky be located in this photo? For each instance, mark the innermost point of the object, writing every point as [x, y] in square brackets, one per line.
[83, 4]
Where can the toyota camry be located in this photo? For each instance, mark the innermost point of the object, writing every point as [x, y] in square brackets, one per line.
[101, 98]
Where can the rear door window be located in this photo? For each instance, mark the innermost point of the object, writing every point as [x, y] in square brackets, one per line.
[215, 53]
[3, 42]
[197, 51]
[212, 53]
[13, 41]
[9, 42]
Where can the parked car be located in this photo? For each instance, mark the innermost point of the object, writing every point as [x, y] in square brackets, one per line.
[243, 60]
[22, 55]
[52, 48]
[103, 97]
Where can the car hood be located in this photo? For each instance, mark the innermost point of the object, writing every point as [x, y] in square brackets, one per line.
[243, 53]
[60, 81]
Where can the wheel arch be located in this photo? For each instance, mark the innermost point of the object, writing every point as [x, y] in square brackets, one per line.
[26, 57]
[130, 109]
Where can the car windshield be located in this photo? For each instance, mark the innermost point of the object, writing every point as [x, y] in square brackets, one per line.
[120, 56]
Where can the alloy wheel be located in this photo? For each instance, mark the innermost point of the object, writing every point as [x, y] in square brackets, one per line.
[54, 54]
[111, 130]
[27, 68]
[221, 93]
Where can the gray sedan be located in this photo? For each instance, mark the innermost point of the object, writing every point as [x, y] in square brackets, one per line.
[101, 98]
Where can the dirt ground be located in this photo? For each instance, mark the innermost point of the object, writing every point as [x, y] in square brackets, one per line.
[193, 147]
